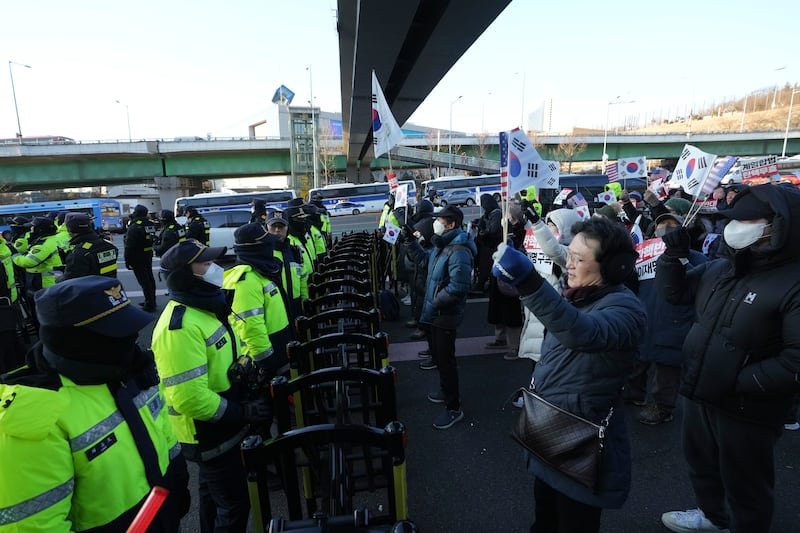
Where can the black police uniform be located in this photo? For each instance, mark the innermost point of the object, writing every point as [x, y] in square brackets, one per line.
[198, 228]
[90, 255]
[170, 235]
[259, 212]
[139, 256]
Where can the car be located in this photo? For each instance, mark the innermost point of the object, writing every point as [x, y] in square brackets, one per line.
[223, 225]
[457, 197]
[346, 208]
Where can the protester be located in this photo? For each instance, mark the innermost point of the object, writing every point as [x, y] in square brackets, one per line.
[742, 362]
[593, 329]
[490, 233]
[423, 223]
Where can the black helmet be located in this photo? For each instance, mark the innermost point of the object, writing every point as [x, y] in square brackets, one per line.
[43, 226]
[166, 214]
[140, 211]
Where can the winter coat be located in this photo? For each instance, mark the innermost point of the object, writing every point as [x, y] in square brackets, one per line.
[449, 264]
[530, 343]
[742, 354]
[587, 355]
[505, 309]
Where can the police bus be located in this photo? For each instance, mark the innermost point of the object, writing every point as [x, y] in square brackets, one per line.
[368, 197]
[488, 183]
[218, 201]
[106, 213]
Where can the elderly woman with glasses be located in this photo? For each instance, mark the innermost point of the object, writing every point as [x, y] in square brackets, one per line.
[594, 326]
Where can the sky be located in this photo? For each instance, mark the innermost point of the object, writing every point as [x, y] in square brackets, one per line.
[202, 67]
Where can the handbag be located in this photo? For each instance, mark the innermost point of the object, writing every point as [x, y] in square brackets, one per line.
[565, 441]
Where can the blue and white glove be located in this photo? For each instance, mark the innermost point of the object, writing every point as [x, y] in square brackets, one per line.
[514, 268]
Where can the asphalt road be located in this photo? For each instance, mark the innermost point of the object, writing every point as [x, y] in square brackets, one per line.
[471, 478]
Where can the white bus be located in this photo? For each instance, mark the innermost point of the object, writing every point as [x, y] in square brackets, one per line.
[489, 183]
[371, 196]
[217, 201]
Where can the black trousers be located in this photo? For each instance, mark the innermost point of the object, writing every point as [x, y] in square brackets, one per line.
[143, 270]
[224, 500]
[442, 342]
[557, 513]
[730, 460]
[664, 381]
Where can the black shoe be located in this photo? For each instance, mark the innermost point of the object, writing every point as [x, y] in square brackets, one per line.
[428, 364]
[495, 344]
[149, 308]
[424, 354]
[436, 397]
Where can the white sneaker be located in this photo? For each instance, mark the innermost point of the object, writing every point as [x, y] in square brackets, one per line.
[689, 521]
[406, 300]
[794, 426]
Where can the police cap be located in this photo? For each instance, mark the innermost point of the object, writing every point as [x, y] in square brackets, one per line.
[97, 303]
[276, 217]
[78, 223]
[253, 233]
[188, 252]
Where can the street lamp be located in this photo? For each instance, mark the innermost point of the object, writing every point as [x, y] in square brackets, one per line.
[775, 93]
[14, 93]
[450, 138]
[788, 120]
[128, 116]
[313, 127]
[615, 101]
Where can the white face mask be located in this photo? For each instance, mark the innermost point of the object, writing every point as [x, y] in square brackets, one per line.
[739, 235]
[438, 227]
[214, 275]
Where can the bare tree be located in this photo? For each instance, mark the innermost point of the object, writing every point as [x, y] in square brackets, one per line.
[569, 148]
[329, 148]
[482, 148]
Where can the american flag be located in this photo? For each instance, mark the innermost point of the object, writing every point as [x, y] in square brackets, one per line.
[611, 172]
[659, 173]
[504, 163]
[718, 171]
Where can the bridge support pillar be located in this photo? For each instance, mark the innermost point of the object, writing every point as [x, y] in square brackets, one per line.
[171, 188]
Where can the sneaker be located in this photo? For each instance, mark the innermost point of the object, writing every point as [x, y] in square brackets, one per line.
[511, 356]
[792, 426]
[495, 344]
[436, 397]
[654, 414]
[428, 364]
[418, 335]
[689, 521]
[424, 354]
[406, 300]
[448, 419]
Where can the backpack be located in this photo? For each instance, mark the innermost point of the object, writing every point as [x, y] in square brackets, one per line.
[388, 304]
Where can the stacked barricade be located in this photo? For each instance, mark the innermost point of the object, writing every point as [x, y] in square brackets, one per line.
[340, 452]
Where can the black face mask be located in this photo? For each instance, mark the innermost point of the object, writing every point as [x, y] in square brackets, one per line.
[297, 227]
[660, 232]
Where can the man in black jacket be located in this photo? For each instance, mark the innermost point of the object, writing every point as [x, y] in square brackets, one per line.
[197, 227]
[90, 254]
[171, 233]
[139, 254]
[742, 357]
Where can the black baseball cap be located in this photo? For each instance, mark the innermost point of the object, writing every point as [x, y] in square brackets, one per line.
[451, 212]
[97, 303]
[745, 206]
[188, 252]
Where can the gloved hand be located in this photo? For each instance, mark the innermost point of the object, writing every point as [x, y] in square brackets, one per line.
[510, 265]
[651, 198]
[678, 242]
[407, 233]
[256, 411]
[529, 211]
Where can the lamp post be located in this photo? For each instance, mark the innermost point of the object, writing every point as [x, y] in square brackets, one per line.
[788, 120]
[615, 101]
[450, 138]
[127, 116]
[14, 93]
[775, 93]
[313, 126]
[744, 110]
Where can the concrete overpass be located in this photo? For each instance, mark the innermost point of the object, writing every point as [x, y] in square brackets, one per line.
[411, 45]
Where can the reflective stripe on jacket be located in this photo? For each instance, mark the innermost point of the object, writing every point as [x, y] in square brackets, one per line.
[42, 258]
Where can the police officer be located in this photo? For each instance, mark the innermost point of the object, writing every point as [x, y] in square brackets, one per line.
[84, 434]
[20, 233]
[12, 350]
[259, 311]
[197, 227]
[90, 254]
[139, 254]
[62, 234]
[316, 201]
[42, 260]
[294, 276]
[298, 236]
[195, 346]
[171, 233]
[258, 211]
[314, 225]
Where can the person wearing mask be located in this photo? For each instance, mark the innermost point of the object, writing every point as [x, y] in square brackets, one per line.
[62, 235]
[294, 274]
[195, 347]
[197, 227]
[741, 358]
[84, 433]
[490, 234]
[258, 211]
[258, 309]
[660, 356]
[20, 233]
[42, 261]
[90, 254]
[594, 325]
[423, 223]
[316, 200]
[449, 263]
[139, 254]
[315, 230]
[298, 236]
[171, 233]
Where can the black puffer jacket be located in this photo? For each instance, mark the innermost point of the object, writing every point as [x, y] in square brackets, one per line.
[742, 355]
